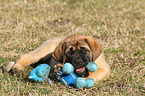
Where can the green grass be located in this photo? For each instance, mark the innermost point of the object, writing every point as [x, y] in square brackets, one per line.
[119, 25]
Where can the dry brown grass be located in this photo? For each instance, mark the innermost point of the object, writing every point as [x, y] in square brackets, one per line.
[118, 25]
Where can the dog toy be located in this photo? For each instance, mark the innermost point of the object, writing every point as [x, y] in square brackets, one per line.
[67, 68]
[66, 76]
[40, 73]
[92, 67]
[69, 78]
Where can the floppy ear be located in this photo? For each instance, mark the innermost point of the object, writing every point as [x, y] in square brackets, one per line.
[59, 51]
[94, 46]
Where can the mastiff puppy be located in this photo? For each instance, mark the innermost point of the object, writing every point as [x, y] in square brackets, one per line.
[76, 49]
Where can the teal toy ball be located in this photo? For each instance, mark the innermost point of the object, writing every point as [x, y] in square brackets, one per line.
[79, 82]
[92, 67]
[89, 82]
[67, 68]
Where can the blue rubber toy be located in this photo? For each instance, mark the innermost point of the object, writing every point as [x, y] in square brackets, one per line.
[72, 79]
[68, 79]
[66, 76]
[40, 73]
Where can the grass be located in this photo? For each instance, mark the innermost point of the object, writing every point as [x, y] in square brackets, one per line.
[119, 26]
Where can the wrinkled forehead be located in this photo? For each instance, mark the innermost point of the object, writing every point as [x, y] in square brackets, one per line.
[77, 43]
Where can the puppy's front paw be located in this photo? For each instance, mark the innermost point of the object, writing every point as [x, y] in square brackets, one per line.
[57, 67]
[8, 66]
[12, 68]
[16, 72]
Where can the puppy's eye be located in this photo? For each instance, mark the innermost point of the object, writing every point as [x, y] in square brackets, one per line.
[70, 50]
[84, 49]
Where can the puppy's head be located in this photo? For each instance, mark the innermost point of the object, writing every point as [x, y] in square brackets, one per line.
[79, 57]
[78, 50]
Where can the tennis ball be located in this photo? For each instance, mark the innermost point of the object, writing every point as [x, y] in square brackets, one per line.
[92, 66]
[79, 82]
[67, 68]
[89, 82]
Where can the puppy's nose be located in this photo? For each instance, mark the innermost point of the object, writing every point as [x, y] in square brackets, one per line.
[79, 61]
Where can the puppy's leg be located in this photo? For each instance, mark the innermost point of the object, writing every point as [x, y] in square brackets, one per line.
[103, 70]
[45, 49]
